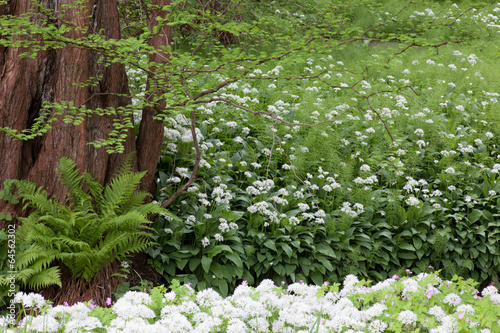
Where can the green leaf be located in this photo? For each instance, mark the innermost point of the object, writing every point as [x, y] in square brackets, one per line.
[235, 259]
[286, 248]
[474, 215]
[327, 264]
[218, 270]
[205, 263]
[420, 253]
[194, 263]
[222, 284]
[407, 255]
[406, 246]
[270, 244]
[317, 278]
[218, 249]
[326, 250]
[417, 242]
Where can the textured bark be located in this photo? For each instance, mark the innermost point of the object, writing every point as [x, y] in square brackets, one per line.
[25, 84]
[150, 138]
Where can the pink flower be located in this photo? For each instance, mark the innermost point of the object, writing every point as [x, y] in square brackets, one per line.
[92, 305]
[460, 316]
[325, 283]
[109, 301]
[408, 271]
[429, 294]
[395, 277]
[65, 304]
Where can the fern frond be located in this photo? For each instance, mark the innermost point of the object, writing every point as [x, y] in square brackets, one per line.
[79, 262]
[23, 276]
[117, 243]
[151, 208]
[74, 244]
[131, 221]
[83, 237]
[119, 191]
[35, 197]
[50, 222]
[27, 257]
[45, 278]
[35, 257]
[126, 165]
[71, 178]
[45, 261]
[96, 191]
[136, 200]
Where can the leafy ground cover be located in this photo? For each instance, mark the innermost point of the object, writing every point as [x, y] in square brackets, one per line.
[409, 304]
[401, 170]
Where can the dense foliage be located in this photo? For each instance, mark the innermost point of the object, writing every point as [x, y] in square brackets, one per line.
[401, 172]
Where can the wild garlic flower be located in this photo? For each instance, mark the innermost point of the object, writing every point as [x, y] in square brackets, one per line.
[489, 290]
[365, 168]
[29, 300]
[377, 326]
[450, 170]
[412, 201]
[407, 317]
[452, 299]
[419, 132]
[303, 207]
[205, 242]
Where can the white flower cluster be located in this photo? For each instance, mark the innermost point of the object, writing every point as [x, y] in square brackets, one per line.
[264, 208]
[261, 309]
[354, 211]
[221, 194]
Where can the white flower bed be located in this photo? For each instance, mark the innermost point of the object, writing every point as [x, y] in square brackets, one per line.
[423, 303]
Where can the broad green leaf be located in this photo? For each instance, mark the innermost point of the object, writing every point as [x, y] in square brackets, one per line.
[406, 246]
[270, 244]
[326, 250]
[286, 248]
[474, 215]
[205, 263]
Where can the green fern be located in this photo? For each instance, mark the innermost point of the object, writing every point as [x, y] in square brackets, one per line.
[88, 231]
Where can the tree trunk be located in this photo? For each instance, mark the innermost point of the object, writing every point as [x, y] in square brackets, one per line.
[26, 84]
[150, 138]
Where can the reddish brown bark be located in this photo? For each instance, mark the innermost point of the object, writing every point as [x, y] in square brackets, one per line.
[25, 84]
[150, 138]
